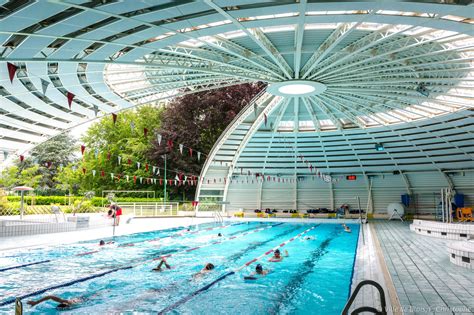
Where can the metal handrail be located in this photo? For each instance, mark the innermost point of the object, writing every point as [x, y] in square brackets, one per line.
[369, 309]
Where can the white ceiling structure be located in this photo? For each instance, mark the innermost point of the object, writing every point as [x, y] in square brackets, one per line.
[395, 73]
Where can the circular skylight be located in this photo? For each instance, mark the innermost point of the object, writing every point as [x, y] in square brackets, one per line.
[296, 88]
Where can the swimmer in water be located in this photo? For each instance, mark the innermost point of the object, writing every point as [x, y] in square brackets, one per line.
[309, 238]
[62, 303]
[259, 271]
[346, 228]
[162, 262]
[207, 268]
[102, 243]
[277, 257]
[220, 234]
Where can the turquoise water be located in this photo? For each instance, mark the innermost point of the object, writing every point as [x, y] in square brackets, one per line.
[314, 278]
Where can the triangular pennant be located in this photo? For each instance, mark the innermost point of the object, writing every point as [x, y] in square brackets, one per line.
[141, 180]
[84, 171]
[159, 138]
[114, 118]
[181, 148]
[22, 157]
[146, 167]
[108, 156]
[190, 152]
[83, 148]
[153, 170]
[138, 165]
[95, 108]
[170, 144]
[129, 162]
[5, 155]
[134, 179]
[132, 126]
[145, 132]
[96, 152]
[93, 173]
[112, 175]
[127, 177]
[102, 173]
[11, 70]
[119, 160]
[70, 97]
[265, 118]
[44, 85]
[199, 156]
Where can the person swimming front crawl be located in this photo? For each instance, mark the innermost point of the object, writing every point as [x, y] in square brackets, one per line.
[162, 262]
[207, 268]
[346, 228]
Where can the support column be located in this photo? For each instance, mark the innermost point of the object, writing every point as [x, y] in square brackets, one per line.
[331, 194]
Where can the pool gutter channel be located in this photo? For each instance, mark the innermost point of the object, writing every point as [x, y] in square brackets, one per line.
[12, 299]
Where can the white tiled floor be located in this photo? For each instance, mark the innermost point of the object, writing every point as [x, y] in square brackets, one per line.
[135, 226]
[425, 280]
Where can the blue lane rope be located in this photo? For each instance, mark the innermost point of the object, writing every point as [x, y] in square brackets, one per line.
[25, 265]
[190, 296]
[13, 299]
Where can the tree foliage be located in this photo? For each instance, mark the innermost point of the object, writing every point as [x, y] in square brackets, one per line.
[126, 139]
[196, 121]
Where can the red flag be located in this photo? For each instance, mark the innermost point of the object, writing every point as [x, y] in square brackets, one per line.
[170, 144]
[129, 162]
[70, 97]
[48, 164]
[83, 171]
[134, 179]
[83, 148]
[145, 131]
[11, 71]
[102, 173]
[161, 181]
[108, 156]
[190, 152]
[146, 167]
[118, 176]
[22, 157]
[114, 118]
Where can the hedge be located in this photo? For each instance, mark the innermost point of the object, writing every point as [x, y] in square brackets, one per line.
[63, 200]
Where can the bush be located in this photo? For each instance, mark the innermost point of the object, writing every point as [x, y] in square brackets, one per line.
[63, 200]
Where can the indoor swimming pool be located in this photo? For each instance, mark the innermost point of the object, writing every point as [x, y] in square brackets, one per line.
[118, 278]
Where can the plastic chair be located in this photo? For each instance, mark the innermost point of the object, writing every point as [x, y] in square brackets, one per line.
[465, 214]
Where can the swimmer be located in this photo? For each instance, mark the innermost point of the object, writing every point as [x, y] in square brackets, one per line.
[277, 257]
[102, 243]
[259, 271]
[162, 262]
[207, 268]
[220, 234]
[309, 238]
[346, 228]
[62, 303]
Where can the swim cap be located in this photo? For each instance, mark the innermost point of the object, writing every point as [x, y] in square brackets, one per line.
[259, 267]
[277, 251]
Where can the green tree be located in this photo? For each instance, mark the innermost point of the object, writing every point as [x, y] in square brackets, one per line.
[106, 141]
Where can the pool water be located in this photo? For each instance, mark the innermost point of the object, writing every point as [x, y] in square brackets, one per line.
[314, 279]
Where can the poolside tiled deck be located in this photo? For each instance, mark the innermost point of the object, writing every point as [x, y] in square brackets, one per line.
[425, 280]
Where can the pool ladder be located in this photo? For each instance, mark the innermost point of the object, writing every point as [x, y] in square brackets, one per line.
[368, 309]
[218, 217]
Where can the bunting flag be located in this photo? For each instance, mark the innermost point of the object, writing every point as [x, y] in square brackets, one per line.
[11, 70]
[127, 177]
[96, 110]
[138, 165]
[70, 97]
[153, 170]
[49, 164]
[93, 173]
[112, 175]
[5, 155]
[44, 85]
[141, 180]
[199, 156]
[170, 144]
[265, 118]
[96, 153]
[132, 126]
[159, 138]
[102, 173]
[22, 157]
[134, 179]
[181, 148]
[83, 171]
[119, 159]
[108, 156]
[145, 132]
[190, 152]
[83, 148]
[114, 118]
[158, 172]
[129, 162]
[146, 167]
